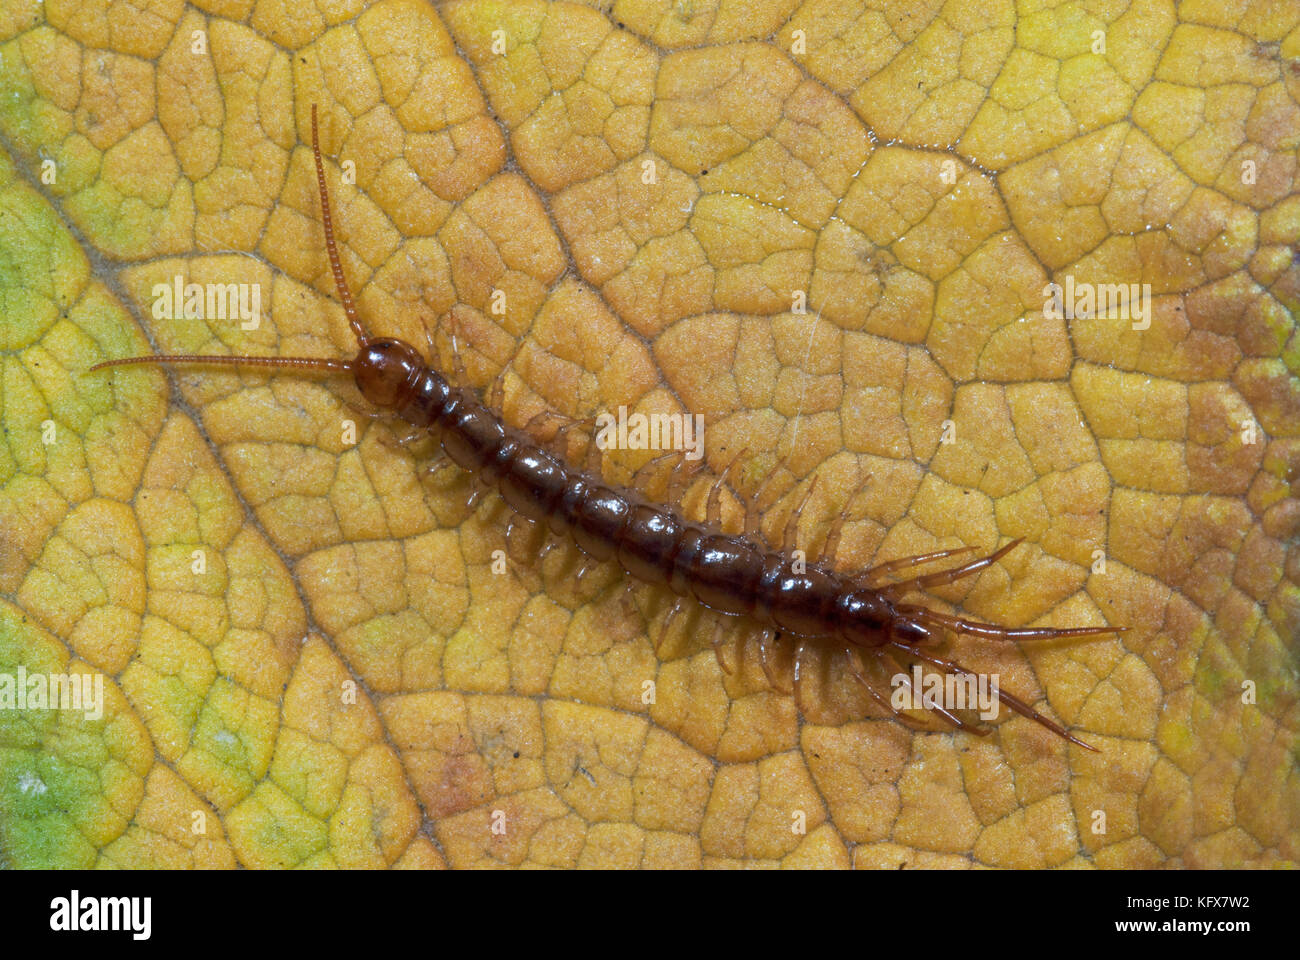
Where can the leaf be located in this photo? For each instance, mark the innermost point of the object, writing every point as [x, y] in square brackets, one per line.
[306, 657]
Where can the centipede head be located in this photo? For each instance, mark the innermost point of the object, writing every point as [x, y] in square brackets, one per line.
[384, 368]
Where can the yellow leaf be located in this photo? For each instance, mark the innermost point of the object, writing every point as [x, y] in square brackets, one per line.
[837, 230]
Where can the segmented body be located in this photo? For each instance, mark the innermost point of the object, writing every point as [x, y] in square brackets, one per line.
[728, 573]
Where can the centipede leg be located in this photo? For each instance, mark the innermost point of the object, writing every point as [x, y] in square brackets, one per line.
[837, 525]
[789, 539]
[435, 358]
[874, 575]
[906, 681]
[929, 702]
[768, 482]
[523, 546]
[646, 473]
[833, 539]
[405, 440]
[458, 365]
[1014, 702]
[497, 392]
[858, 670]
[752, 517]
[765, 638]
[370, 413]
[715, 493]
[478, 488]
[669, 617]
[767, 642]
[561, 440]
[535, 425]
[551, 430]
[719, 637]
[439, 462]
[956, 573]
[681, 477]
[797, 676]
[584, 569]
[593, 461]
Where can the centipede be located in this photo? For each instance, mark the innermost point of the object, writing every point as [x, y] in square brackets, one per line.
[858, 616]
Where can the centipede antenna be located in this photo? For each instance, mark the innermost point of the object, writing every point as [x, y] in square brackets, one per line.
[303, 363]
[340, 282]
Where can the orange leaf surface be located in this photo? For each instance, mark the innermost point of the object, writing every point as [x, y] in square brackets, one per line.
[830, 228]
